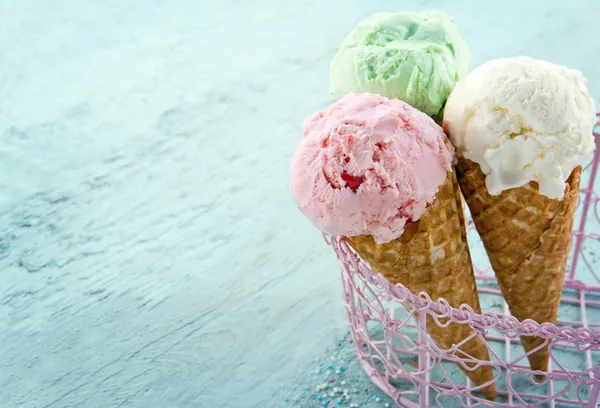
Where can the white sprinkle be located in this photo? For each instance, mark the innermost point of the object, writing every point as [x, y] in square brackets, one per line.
[324, 395]
[343, 383]
[386, 405]
[377, 399]
[331, 394]
[332, 358]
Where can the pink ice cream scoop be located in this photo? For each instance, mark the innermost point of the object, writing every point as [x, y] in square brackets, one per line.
[368, 165]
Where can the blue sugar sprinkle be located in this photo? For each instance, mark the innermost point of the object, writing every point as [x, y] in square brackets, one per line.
[330, 367]
[341, 368]
[320, 398]
[286, 399]
[306, 387]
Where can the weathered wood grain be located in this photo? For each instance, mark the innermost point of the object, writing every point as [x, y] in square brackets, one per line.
[150, 252]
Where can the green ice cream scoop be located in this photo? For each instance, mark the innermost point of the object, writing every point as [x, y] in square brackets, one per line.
[415, 57]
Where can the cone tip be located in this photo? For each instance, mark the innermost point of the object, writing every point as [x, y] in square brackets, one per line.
[489, 392]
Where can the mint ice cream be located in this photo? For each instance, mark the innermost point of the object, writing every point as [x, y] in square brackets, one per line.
[415, 57]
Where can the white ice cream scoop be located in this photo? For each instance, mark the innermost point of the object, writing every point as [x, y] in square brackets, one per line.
[522, 120]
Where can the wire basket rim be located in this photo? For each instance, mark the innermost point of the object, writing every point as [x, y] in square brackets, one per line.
[507, 325]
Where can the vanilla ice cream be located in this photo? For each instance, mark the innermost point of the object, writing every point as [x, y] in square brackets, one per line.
[522, 120]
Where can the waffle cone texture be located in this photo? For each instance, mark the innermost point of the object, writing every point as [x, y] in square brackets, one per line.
[527, 237]
[432, 256]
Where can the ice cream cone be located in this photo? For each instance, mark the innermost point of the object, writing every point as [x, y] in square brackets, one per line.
[522, 129]
[432, 255]
[527, 237]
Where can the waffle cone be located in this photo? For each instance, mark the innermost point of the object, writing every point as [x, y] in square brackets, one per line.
[527, 237]
[432, 255]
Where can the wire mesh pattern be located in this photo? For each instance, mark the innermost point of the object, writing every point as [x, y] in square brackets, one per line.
[388, 325]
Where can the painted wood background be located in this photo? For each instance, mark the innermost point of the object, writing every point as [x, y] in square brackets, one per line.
[150, 253]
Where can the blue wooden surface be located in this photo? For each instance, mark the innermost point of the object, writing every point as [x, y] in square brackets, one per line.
[150, 252]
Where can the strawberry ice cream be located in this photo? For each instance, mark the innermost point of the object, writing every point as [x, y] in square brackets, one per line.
[368, 165]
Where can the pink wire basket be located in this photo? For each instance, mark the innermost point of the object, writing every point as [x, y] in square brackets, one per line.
[398, 355]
